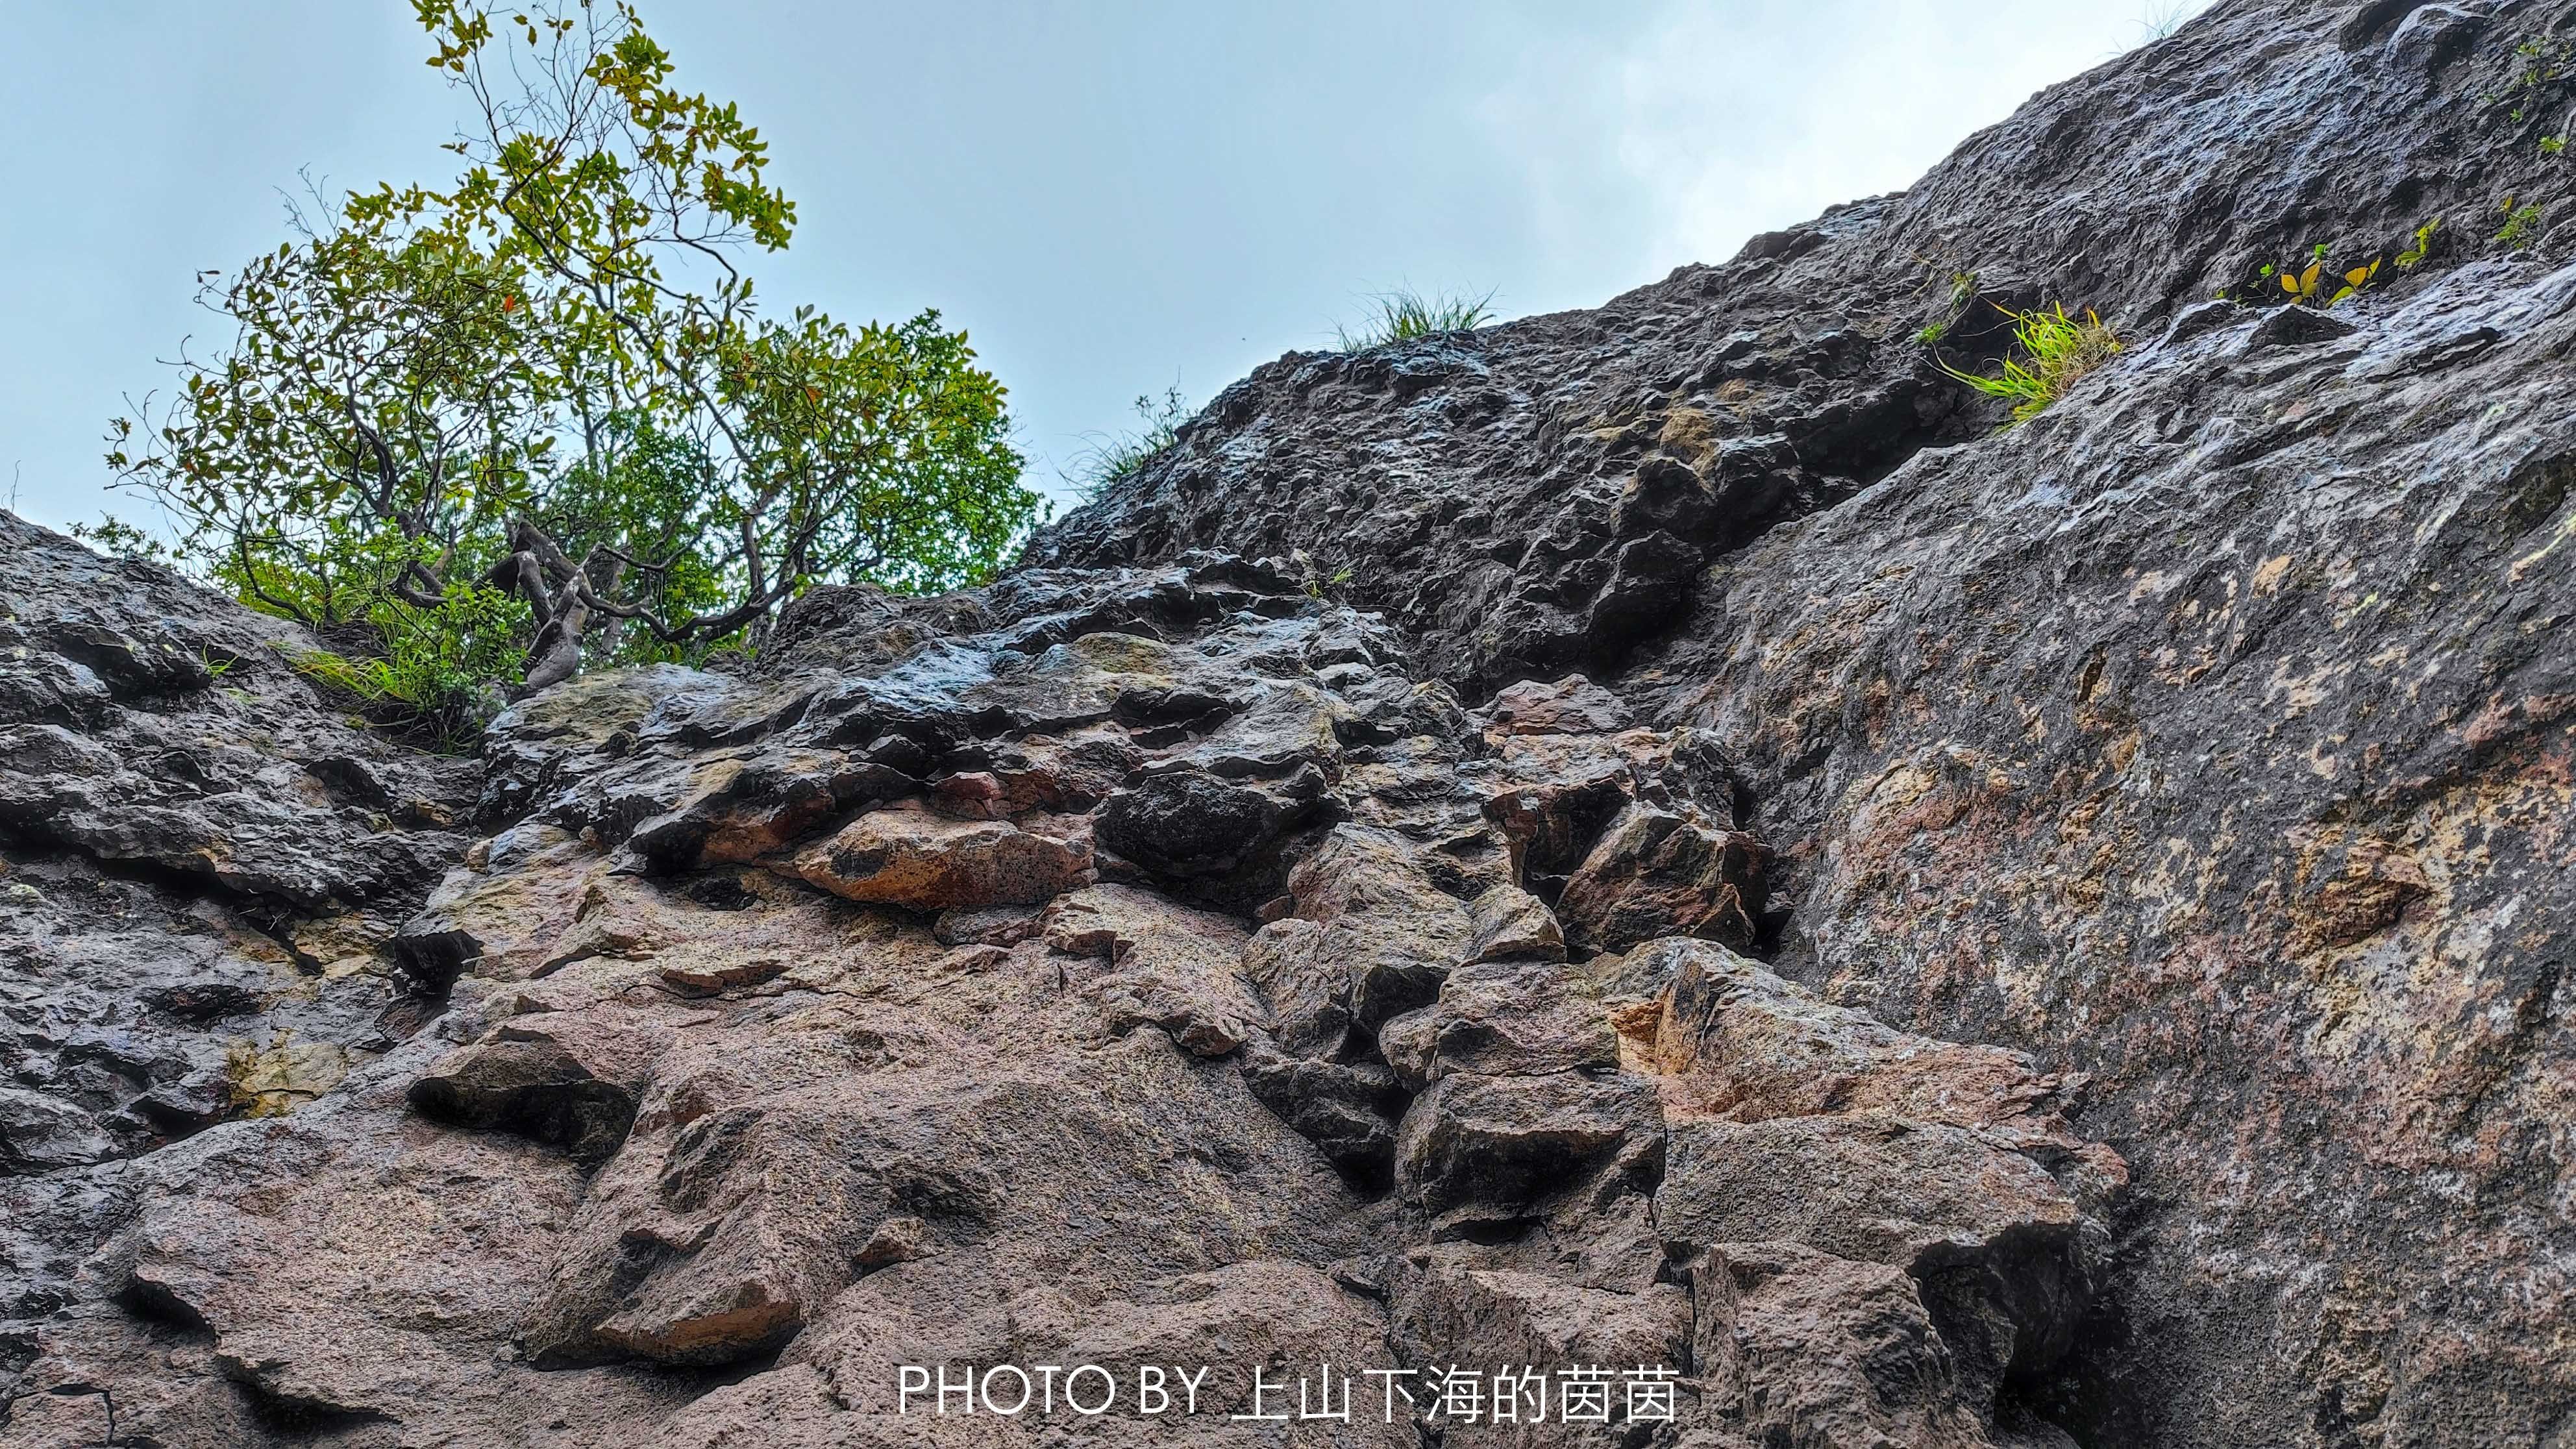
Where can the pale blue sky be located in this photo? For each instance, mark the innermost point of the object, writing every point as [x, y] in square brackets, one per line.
[1113, 198]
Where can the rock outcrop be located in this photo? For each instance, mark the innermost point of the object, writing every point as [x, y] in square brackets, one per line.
[1804, 921]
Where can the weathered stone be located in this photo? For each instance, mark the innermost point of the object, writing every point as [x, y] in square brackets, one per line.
[1801, 1347]
[535, 1089]
[1573, 705]
[1526, 1318]
[735, 811]
[1189, 823]
[1502, 1145]
[1511, 1018]
[712, 978]
[1731, 1039]
[2002, 1250]
[896, 1240]
[926, 863]
[1348, 1110]
[988, 925]
[1654, 873]
[1507, 923]
[1373, 937]
[2206, 736]
[1169, 966]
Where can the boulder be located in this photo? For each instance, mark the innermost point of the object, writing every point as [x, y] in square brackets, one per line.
[925, 862]
[1502, 1146]
[1654, 873]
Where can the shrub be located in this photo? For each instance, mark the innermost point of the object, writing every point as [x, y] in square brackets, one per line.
[2059, 349]
[1403, 314]
[2414, 256]
[426, 673]
[2521, 225]
[2308, 285]
[549, 384]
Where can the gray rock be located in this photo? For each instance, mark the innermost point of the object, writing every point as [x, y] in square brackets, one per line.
[2152, 820]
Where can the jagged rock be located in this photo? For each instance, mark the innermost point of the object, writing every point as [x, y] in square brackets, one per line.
[40, 1132]
[1527, 1318]
[988, 926]
[2001, 1249]
[895, 1240]
[1503, 1144]
[149, 722]
[1282, 1313]
[2153, 821]
[2072, 740]
[1513, 1018]
[1732, 1039]
[926, 863]
[535, 1089]
[1554, 795]
[739, 810]
[1801, 1347]
[1168, 966]
[1507, 923]
[1373, 937]
[185, 821]
[1654, 873]
[1573, 705]
[1348, 1110]
[1190, 822]
[718, 977]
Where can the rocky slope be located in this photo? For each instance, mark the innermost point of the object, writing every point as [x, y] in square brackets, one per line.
[1936, 938]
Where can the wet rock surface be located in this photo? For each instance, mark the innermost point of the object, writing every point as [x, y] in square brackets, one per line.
[200, 861]
[1176, 986]
[1935, 938]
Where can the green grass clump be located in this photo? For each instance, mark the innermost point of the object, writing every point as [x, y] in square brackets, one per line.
[2059, 349]
[1403, 315]
[426, 679]
[1118, 457]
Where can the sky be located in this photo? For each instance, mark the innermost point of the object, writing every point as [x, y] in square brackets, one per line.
[1112, 197]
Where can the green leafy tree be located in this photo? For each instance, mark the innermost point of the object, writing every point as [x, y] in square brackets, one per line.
[548, 383]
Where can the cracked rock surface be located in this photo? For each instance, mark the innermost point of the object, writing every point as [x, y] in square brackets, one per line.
[1940, 939]
[742, 1085]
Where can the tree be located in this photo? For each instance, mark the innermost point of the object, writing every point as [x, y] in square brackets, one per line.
[548, 384]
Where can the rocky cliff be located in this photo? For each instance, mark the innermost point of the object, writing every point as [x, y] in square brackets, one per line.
[1642, 838]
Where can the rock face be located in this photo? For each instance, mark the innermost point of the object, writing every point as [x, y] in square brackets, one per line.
[1933, 938]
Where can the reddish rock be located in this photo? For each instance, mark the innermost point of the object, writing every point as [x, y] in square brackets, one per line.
[926, 862]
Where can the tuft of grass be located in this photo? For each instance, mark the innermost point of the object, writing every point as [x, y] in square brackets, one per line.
[2060, 349]
[1119, 457]
[2158, 21]
[421, 694]
[1404, 314]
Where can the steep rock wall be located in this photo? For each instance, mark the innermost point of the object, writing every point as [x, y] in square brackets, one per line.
[1939, 939]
